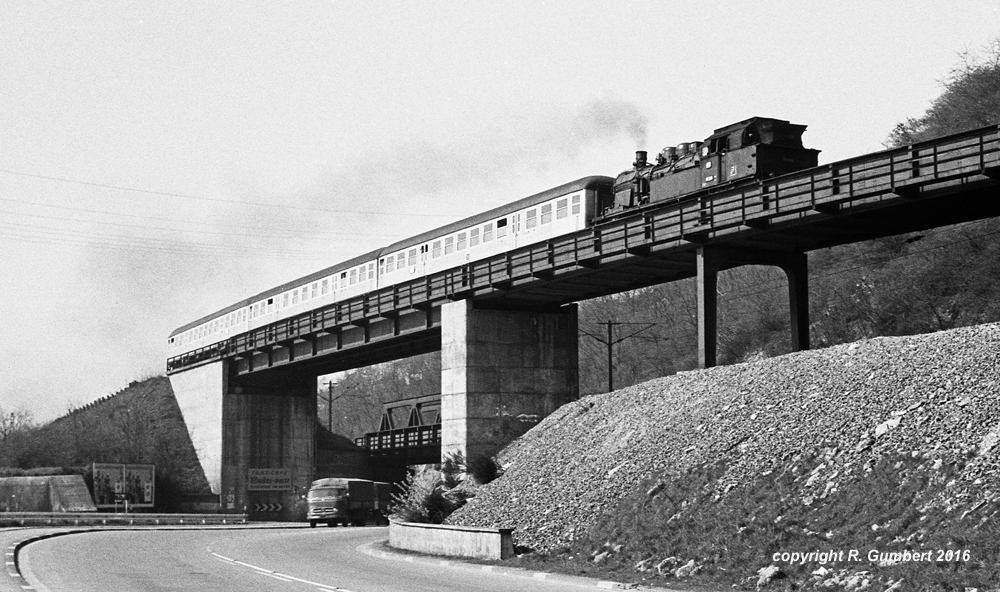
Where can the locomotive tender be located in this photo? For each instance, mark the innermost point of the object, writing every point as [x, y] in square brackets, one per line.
[743, 152]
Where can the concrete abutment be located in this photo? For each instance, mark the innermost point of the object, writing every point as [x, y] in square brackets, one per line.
[269, 447]
[268, 426]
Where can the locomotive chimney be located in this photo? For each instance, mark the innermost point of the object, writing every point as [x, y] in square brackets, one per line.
[640, 159]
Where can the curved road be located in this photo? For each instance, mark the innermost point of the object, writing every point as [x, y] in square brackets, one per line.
[237, 559]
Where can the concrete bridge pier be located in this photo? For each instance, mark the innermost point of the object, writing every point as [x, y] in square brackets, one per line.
[710, 261]
[502, 371]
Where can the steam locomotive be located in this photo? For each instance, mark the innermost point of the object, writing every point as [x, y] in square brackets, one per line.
[752, 149]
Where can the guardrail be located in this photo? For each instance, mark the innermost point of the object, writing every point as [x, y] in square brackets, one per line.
[696, 219]
[109, 519]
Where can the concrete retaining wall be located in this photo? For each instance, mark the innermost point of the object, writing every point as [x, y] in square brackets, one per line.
[461, 541]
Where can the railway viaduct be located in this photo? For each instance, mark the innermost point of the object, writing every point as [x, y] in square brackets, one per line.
[507, 325]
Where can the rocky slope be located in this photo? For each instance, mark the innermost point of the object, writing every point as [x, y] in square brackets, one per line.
[936, 394]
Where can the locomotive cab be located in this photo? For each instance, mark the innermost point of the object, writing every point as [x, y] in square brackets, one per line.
[758, 147]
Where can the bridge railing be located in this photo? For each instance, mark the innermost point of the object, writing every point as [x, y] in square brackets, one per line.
[845, 185]
[401, 438]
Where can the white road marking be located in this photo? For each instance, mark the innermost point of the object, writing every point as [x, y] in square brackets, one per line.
[279, 576]
[274, 575]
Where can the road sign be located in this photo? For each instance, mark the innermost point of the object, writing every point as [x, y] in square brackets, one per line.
[269, 479]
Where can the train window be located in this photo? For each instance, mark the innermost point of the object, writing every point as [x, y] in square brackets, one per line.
[270, 301]
[487, 233]
[411, 257]
[390, 263]
[343, 280]
[381, 266]
[284, 300]
[371, 271]
[449, 245]
[295, 296]
[719, 145]
[354, 276]
[501, 227]
[326, 286]
[546, 213]
[561, 209]
[473, 237]
[436, 251]
[400, 261]
[461, 241]
[531, 219]
[576, 205]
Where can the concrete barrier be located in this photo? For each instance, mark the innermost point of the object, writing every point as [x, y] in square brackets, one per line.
[445, 539]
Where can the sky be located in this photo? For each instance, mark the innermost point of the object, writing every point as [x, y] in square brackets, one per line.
[162, 160]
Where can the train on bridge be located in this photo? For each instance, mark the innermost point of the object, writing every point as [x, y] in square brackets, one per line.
[743, 152]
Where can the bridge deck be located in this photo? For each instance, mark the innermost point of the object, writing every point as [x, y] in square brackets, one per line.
[936, 183]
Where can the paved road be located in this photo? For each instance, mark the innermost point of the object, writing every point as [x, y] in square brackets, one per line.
[246, 558]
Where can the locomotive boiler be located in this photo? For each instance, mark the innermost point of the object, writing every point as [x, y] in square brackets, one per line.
[752, 149]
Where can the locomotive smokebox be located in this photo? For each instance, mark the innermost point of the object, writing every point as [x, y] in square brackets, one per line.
[640, 159]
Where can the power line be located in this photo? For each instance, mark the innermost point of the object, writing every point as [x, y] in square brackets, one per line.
[146, 227]
[283, 206]
[296, 232]
[27, 233]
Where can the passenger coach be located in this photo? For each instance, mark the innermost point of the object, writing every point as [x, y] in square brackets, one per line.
[561, 210]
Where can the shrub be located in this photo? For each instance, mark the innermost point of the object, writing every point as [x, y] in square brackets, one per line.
[484, 469]
[431, 495]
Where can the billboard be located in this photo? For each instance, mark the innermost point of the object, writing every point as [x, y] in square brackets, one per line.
[115, 484]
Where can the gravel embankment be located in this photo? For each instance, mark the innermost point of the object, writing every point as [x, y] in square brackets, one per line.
[938, 394]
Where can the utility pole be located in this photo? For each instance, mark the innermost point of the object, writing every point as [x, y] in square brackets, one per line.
[611, 372]
[610, 341]
[329, 405]
[330, 399]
